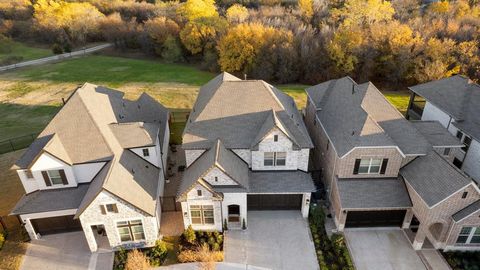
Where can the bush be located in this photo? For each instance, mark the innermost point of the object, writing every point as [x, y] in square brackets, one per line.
[158, 253]
[172, 52]
[120, 259]
[57, 48]
[189, 235]
[2, 240]
[200, 254]
[136, 260]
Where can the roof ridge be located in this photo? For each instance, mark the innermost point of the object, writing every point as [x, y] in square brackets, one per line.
[270, 90]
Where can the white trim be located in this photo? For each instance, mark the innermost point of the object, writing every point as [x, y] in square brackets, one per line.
[58, 213]
[130, 219]
[380, 147]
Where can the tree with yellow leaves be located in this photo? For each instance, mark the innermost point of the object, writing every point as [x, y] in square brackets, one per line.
[202, 34]
[159, 30]
[363, 12]
[194, 9]
[237, 13]
[306, 8]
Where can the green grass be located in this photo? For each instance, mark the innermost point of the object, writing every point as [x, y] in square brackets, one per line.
[399, 99]
[116, 71]
[22, 51]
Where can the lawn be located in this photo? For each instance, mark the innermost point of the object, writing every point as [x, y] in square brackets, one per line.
[399, 99]
[11, 191]
[21, 52]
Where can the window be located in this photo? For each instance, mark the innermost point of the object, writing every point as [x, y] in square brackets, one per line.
[459, 134]
[130, 230]
[458, 163]
[146, 153]
[111, 208]
[54, 177]
[28, 174]
[369, 166]
[268, 158]
[469, 235]
[202, 214]
[464, 195]
[216, 178]
[446, 151]
[275, 138]
[199, 192]
[466, 141]
[274, 159]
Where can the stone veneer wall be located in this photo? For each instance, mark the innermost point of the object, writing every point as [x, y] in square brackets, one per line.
[471, 221]
[344, 167]
[93, 216]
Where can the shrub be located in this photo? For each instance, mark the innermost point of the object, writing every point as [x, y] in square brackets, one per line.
[225, 225]
[2, 240]
[136, 260]
[120, 259]
[200, 254]
[172, 52]
[244, 226]
[189, 235]
[57, 48]
[158, 253]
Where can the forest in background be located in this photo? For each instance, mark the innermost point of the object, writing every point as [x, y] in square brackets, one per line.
[309, 41]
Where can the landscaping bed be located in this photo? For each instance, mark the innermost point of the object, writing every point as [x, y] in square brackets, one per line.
[196, 246]
[463, 260]
[155, 255]
[332, 253]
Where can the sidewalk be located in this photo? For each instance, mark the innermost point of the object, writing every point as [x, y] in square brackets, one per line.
[219, 266]
[57, 57]
[433, 260]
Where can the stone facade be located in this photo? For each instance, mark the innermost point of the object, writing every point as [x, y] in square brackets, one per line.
[206, 198]
[217, 177]
[126, 212]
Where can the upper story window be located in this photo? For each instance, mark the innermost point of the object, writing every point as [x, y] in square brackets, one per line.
[28, 174]
[275, 138]
[54, 177]
[465, 139]
[146, 153]
[199, 192]
[274, 158]
[464, 195]
[110, 208]
[446, 151]
[370, 166]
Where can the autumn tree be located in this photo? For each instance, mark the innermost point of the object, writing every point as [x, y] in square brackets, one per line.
[237, 13]
[363, 12]
[306, 8]
[436, 60]
[344, 47]
[202, 34]
[194, 9]
[159, 30]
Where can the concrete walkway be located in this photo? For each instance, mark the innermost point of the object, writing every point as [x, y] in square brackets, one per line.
[54, 58]
[219, 266]
[64, 251]
[433, 260]
[382, 249]
[274, 240]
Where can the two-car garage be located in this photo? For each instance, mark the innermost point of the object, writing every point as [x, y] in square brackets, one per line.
[256, 202]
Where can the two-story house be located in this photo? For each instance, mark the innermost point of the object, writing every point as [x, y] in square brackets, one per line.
[455, 103]
[246, 148]
[98, 167]
[381, 170]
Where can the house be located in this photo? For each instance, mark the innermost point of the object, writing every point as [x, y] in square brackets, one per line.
[246, 148]
[381, 170]
[98, 167]
[454, 103]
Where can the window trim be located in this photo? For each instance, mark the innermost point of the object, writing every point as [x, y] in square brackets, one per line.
[370, 161]
[275, 159]
[130, 229]
[469, 236]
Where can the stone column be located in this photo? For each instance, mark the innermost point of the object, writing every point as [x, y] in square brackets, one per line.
[408, 219]
[30, 230]
[419, 239]
[341, 220]
[306, 204]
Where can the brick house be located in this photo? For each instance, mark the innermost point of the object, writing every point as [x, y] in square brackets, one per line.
[246, 148]
[381, 170]
[98, 168]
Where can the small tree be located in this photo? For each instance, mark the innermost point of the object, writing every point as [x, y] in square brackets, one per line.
[244, 225]
[136, 260]
[189, 235]
[225, 225]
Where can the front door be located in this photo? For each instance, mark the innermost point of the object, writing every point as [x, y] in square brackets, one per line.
[234, 213]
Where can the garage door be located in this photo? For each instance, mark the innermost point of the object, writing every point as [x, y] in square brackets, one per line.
[375, 218]
[56, 224]
[274, 202]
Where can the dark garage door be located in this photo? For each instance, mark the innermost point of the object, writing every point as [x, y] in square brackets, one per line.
[56, 224]
[375, 218]
[274, 202]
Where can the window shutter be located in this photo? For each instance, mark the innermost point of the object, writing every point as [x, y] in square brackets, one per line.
[384, 166]
[46, 178]
[63, 176]
[357, 165]
[115, 209]
[103, 210]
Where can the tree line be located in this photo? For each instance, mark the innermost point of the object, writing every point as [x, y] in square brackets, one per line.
[398, 41]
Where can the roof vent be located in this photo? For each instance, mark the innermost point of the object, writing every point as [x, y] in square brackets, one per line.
[133, 171]
[146, 166]
[138, 106]
[353, 132]
[353, 88]
[123, 104]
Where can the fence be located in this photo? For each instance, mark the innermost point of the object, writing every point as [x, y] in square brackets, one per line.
[55, 57]
[17, 143]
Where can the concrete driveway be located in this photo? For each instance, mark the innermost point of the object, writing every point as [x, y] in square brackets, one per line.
[274, 240]
[382, 249]
[64, 251]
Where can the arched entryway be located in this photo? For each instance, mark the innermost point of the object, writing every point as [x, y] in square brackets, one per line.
[233, 213]
[436, 230]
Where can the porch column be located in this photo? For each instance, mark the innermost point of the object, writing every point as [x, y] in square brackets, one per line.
[419, 239]
[408, 219]
[90, 237]
[29, 229]
[341, 219]
[306, 204]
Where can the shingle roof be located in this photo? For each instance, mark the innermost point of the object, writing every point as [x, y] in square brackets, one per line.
[436, 134]
[373, 193]
[467, 211]
[280, 181]
[359, 115]
[217, 156]
[50, 200]
[434, 178]
[457, 96]
[135, 134]
[234, 110]
[87, 129]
